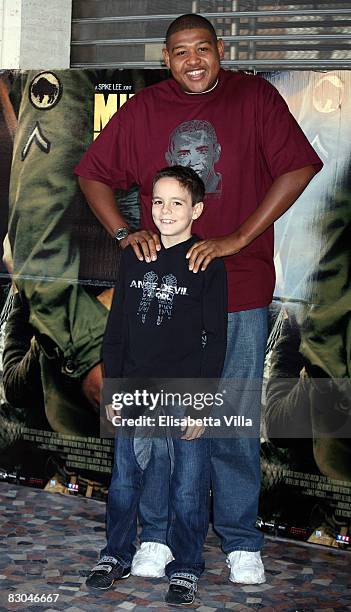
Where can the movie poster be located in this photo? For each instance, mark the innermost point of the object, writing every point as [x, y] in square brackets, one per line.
[57, 277]
[306, 445]
[59, 266]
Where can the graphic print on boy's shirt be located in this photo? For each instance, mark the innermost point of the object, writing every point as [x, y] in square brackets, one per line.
[163, 292]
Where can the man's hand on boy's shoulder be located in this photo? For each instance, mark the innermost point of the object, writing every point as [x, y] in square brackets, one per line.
[144, 243]
[203, 252]
[111, 413]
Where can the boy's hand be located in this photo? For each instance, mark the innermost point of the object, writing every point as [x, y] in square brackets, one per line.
[192, 431]
[145, 244]
[92, 385]
[111, 412]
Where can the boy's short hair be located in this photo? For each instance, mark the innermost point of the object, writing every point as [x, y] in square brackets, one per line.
[190, 21]
[187, 178]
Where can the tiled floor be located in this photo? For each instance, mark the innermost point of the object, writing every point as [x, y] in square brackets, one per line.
[49, 542]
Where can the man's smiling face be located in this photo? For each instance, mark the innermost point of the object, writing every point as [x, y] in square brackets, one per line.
[193, 56]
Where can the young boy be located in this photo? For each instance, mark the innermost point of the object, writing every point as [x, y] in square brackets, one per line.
[155, 330]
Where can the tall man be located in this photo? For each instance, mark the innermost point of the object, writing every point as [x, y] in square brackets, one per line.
[265, 162]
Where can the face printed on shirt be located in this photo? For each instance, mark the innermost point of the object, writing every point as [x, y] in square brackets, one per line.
[194, 143]
[194, 56]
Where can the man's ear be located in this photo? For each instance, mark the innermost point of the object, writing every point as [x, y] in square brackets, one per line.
[197, 210]
[165, 56]
[220, 47]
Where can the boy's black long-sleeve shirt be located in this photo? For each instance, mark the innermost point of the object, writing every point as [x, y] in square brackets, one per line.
[158, 315]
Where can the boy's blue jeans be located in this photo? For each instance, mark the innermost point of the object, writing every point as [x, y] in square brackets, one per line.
[235, 462]
[188, 501]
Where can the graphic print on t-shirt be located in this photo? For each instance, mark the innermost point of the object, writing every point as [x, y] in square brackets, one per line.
[164, 293]
[165, 297]
[194, 143]
[149, 285]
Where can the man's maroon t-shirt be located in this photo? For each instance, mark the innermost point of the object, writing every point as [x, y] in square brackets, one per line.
[239, 137]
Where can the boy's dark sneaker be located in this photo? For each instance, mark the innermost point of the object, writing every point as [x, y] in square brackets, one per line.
[182, 589]
[105, 573]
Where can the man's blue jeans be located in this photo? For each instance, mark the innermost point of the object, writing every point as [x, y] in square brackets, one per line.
[188, 494]
[235, 461]
[236, 475]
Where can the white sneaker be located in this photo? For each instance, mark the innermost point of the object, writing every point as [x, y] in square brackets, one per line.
[151, 559]
[246, 567]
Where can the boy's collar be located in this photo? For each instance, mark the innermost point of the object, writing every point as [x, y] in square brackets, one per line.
[193, 238]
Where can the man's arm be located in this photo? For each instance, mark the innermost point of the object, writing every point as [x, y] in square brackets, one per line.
[281, 195]
[101, 199]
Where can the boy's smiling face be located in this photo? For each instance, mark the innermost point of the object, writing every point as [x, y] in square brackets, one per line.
[173, 211]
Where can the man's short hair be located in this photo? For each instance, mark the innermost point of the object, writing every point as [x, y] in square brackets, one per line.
[190, 21]
[187, 178]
